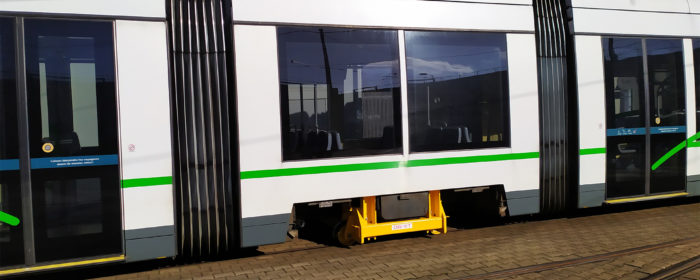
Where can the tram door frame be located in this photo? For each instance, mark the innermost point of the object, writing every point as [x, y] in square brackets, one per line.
[59, 106]
[651, 131]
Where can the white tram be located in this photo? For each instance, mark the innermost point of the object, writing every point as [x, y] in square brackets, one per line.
[145, 129]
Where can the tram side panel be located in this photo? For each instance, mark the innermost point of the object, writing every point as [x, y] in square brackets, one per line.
[130, 8]
[144, 109]
[270, 186]
[591, 102]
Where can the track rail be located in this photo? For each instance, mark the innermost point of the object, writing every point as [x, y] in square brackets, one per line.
[677, 270]
[682, 269]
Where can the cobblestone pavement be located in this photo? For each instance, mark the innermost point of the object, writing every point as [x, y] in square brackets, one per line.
[623, 245]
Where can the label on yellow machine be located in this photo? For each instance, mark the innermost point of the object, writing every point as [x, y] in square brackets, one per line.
[402, 226]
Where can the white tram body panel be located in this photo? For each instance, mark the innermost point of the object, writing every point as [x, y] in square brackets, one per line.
[258, 99]
[126, 8]
[145, 107]
[390, 14]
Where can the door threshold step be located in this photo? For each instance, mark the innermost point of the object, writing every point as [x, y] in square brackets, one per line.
[644, 198]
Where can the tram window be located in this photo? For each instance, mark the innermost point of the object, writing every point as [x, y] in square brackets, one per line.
[624, 76]
[666, 82]
[70, 78]
[696, 62]
[457, 90]
[8, 93]
[339, 91]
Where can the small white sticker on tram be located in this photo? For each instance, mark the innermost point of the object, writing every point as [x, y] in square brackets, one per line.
[402, 226]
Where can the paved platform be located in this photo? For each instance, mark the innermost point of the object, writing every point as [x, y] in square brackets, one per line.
[600, 244]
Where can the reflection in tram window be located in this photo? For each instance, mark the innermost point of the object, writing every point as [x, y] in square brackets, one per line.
[8, 92]
[457, 90]
[696, 62]
[71, 202]
[624, 78]
[76, 213]
[667, 103]
[69, 82]
[84, 102]
[340, 92]
[666, 82]
[625, 106]
[11, 244]
[11, 237]
[72, 105]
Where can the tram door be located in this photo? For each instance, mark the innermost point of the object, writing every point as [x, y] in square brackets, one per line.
[71, 138]
[645, 116]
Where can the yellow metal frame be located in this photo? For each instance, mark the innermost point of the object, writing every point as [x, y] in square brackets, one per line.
[362, 223]
[61, 265]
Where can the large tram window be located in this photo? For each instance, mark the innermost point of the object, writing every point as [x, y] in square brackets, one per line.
[340, 92]
[696, 62]
[11, 241]
[457, 90]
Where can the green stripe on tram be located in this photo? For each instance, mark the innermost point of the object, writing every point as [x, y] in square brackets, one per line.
[592, 151]
[471, 159]
[255, 174]
[145, 182]
[686, 143]
[8, 219]
[318, 169]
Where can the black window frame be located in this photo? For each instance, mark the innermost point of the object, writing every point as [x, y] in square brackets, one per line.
[696, 69]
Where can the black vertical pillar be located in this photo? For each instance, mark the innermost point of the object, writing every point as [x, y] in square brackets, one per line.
[204, 127]
[556, 80]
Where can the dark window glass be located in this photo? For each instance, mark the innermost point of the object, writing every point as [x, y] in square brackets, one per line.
[11, 244]
[340, 92]
[666, 82]
[624, 80]
[696, 61]
[11, 240]
[72, 105]
[625, 107]
[76, 214]
[667, 103]
[70, 80]
[8, 92]
[457, 90]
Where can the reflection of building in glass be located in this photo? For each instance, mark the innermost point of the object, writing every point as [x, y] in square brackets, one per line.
[465, 112]
[339, 92]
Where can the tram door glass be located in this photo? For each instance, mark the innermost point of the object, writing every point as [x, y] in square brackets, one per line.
[73, 138]
[11, 241]
[696, 62]
[645, 115]
[667, 103]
